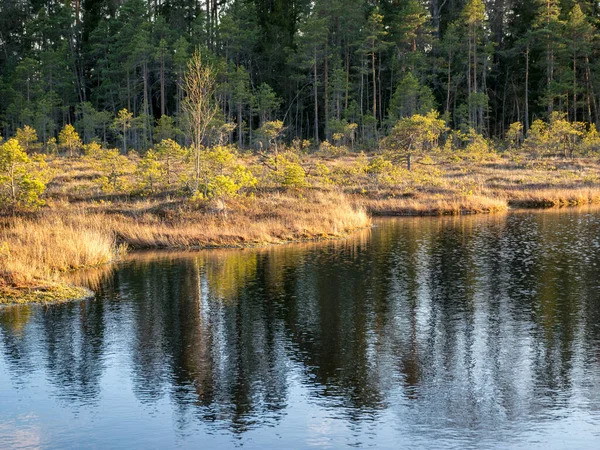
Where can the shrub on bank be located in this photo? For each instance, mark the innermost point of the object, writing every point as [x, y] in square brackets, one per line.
[22, 179]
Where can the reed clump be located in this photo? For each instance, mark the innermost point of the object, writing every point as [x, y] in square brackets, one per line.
[278, 218]
[435, 205]
[35, 251]
[551, 198]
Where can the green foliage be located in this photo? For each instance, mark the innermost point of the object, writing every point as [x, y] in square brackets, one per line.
[322, 173]
[475, 148]
[415, 134]
[294, 176]
[222, 176]
[327, 149]
[92, 124]
[52, 146]
[241, 96]
[346, 175]
[380, 171]
[271, 132]
[266, 102]
[219, 131]
[410, 97]
[113, 167]
[121, 124]
[149, 172]
[287, 170]
[558, 136]
[22, 181]
[27, 138]
[68, 140]
[343, 132]
[172, 156]
[514, 135]
[118, 70]
[564, 135]
[537, 139]
[165, 129]
[300, 146]
[591, 142]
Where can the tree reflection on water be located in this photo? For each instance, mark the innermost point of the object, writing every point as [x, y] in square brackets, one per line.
[467, 324]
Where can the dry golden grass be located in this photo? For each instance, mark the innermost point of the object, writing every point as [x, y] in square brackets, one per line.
[553, 197]
[83, 226]
[435, 205]
[34, 252]
[274, 219]
[50, 244]
[484, 187]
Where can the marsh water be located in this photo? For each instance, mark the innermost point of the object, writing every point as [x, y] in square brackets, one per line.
[470, 332]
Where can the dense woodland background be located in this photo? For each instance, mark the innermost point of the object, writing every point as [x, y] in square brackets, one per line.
[318, 66]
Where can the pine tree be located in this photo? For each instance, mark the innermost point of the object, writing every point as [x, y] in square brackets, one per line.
[122, 124]
[21, 185]
[200, 106]
[69, 140]
[473, 17]
[311, 48]
[374, 43]
[241, 97]
[579, 35]
[410, 97]
[548, 28]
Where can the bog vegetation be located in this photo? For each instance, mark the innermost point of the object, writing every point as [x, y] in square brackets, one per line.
[135, 124]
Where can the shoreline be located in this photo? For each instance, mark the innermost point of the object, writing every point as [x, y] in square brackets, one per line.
[47, 292]
[50, 293]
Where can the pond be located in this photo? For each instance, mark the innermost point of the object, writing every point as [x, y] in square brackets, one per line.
[461, 332]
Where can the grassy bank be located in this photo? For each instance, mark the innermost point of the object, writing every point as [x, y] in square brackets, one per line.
[491, 185]
[437, 205]
[64, 237]
[273, 219]
[36, 251]
[82, 225]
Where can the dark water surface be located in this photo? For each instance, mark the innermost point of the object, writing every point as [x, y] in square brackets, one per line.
[478, 332]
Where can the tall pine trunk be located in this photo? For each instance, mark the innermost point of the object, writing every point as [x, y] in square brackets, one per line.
[316, 94]
[326, 89]
[527, 88]
[162, 86]
[239, 119]
[374, 79]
